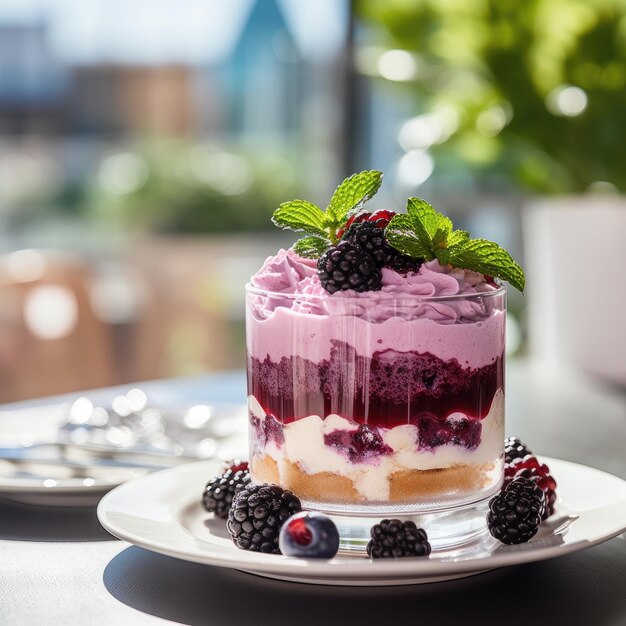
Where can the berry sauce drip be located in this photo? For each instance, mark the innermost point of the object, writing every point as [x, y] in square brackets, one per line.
[387, 390]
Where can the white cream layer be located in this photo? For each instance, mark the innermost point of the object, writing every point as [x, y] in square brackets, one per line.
[304, 444]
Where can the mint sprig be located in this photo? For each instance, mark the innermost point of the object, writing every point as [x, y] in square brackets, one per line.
[304, 216]
[311, 247]
[351, 195]
[301, 216]
[424, 232]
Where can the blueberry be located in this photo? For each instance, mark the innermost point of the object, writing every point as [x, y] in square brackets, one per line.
[309, 535]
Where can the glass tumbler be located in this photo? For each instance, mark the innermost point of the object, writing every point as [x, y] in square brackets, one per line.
[378, 404]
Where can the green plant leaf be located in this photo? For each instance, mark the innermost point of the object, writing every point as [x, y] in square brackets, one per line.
[311, 247]
[351, 194]
[401, 234]
[458, 237]
[301, 216]
[421, 231]
[485, 257]
[440, 238]
[431, 227]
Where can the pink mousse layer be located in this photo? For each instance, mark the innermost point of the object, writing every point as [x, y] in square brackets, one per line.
[303, 319]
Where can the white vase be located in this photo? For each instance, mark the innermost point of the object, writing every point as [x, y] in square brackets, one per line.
[575, 258]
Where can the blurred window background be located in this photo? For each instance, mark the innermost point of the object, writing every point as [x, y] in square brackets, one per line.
[145, 143]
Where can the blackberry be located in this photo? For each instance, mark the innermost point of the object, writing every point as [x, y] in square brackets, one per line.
[345, 266]
[220, 490]
[395, 538]
[403, 263]
[370, 237]
[369, 234]
[256, 515]
[515, 513]
[514, 448]
[530, 467]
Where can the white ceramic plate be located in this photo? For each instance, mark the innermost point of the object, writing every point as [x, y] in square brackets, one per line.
[162, 512]
[32, 483]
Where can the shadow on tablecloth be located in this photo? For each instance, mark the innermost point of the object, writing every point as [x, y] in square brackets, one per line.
[23, 522]
[584, 588]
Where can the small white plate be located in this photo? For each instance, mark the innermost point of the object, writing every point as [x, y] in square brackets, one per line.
[32, 483]
[162, 512]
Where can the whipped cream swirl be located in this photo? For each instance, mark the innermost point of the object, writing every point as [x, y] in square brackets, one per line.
[407, 296]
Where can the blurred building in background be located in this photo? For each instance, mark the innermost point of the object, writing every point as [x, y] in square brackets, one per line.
[144, 145]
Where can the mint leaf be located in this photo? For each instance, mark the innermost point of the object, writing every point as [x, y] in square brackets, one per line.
[440, 238]
[311, 247]
[485, 257]
[424, 232]
[426, 220]
[458, 237]
[421, 232]
[351, 194]
[301, 216]
[401, 234]
[431, 227]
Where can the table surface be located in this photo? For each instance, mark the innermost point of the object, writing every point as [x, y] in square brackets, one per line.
[60, 567]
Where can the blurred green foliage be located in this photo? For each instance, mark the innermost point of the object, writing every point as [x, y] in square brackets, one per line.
[183, 187]
[502, 63]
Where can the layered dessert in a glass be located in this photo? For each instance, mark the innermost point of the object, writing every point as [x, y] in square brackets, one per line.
[383, 398]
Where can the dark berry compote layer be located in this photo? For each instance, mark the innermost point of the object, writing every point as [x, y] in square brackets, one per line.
[389, 389]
